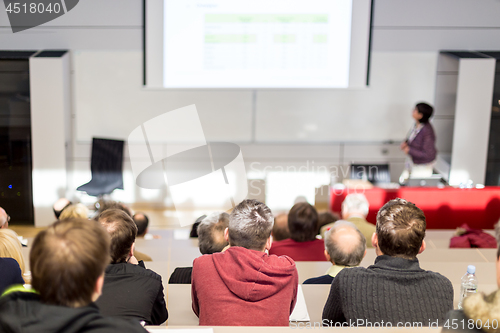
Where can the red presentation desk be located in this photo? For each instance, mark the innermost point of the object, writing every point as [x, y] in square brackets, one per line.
[444, 208]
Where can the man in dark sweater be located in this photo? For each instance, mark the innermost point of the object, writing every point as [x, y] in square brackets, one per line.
[345, 246]
[395, 290]
[130, 290]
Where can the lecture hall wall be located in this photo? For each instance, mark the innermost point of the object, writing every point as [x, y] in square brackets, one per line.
[275, 128]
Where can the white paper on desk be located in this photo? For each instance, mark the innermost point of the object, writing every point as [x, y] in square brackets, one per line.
[179, 330]
[300, 312]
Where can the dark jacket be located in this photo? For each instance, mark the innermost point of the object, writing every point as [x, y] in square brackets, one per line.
[10, 273]
[241, 287]
[133, 291]
[323, 279]
[393, 290]
[22, 312]
[181, 275]
[423, 146]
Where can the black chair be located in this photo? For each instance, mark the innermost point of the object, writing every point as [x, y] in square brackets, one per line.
[106, 166]
[374, 173]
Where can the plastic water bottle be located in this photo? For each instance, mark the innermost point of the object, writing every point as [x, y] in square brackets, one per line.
[469, 284]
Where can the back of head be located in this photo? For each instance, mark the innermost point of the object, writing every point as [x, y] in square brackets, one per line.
[194, 228]
[280, 227]
[122, 230]
[59, 206]
[345, 244]
[211, 233]
[303, 222]
[355, 203]
[426, 110]
[74, 211]
[10, 247]
[325, 218]
[142, 222]
[66, 260]
[250, 225]
[110, 204]
[3, 218]
[400, 229]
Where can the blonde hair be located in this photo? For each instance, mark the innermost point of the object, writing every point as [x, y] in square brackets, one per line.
[74, 211]
[10, 247]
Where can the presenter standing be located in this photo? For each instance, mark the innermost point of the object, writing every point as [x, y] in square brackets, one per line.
[420, 145]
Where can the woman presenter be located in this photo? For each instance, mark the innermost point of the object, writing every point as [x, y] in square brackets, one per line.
[420, 145]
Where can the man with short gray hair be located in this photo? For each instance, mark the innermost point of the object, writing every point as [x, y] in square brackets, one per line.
[244, 286]
[210, 240]
[345, 246]
[355, 208]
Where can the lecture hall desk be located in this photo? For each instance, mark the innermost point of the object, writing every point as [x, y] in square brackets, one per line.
[444, 208]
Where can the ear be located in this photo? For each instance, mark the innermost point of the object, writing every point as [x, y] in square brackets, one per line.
[132, 249]
[328, 257]
[375, 244]
[374, 240]
[226, 235]
[269, 243]
[422, 248]
[364, 255]
[98, 288]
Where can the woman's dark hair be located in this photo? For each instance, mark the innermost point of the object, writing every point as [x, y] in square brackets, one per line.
[425, 110]
[303, 222]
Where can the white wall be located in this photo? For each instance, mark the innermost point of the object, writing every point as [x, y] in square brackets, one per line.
[407, 36]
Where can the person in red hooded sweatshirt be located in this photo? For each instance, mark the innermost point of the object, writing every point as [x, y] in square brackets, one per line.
[244, 286]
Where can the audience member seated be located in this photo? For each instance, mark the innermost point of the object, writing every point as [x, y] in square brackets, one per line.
[141, 221]
[483, 310]
[302, 245]
[130, 290]
[75, 211]
[67, 265]
[60, 205]
[345, 247]
[210, 240]
[395, 289]
[4, 219]
[10, 247]
[194, 228]
[10, 273]
[103, 205]
[326, 218]
[355, 209]
[244, 286]
[280, 228]
[11, 260]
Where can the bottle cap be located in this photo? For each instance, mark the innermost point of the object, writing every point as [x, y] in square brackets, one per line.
[471, 269]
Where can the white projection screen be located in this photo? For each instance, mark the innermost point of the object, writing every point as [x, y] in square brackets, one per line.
[256, 44]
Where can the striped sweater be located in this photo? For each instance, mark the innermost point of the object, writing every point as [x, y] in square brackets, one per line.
[393, 290]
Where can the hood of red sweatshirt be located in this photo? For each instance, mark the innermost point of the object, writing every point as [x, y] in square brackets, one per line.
[253, 275]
